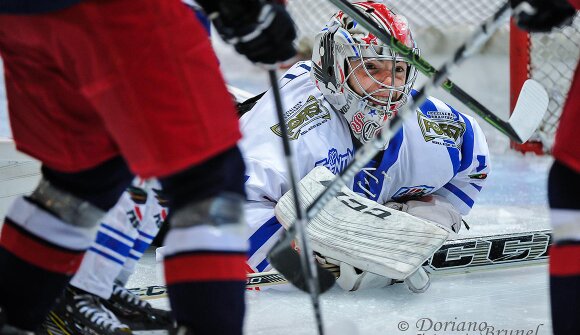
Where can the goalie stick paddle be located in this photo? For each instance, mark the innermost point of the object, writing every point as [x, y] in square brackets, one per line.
[282, 256]
[525, 117]
[465, 255]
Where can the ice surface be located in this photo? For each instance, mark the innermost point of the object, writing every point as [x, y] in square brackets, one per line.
[514, 199]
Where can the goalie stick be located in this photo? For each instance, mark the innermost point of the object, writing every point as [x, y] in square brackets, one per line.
[524, 119]
[306, 271]
[281, 256]
[465, 255]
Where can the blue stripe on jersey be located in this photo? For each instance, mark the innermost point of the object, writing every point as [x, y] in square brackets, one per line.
[306, 67]
[263, 234]
[135, 255]
[460, 194]
[112, 244]
[260, 267]
[392, 152]
[477, 187]
[106, 226]
[140, 246]
[454, 156]
[146, 235]
[107, 256]
[467, 146]
[289, 76]
[481, 161]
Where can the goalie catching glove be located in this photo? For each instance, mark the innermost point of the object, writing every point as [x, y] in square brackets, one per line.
[261, 30]
[546, 14]
[371, 243]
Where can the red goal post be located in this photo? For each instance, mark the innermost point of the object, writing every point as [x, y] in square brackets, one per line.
[442, 25]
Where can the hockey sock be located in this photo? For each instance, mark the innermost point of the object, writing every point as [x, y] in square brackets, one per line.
[565, 287]
[112, 248]
[142, 242]
[38, 255]
[206, 276]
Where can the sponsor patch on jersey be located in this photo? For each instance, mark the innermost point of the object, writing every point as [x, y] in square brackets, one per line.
[443, 128]
[478, 176]
[336, 162]
[302, 118]
[412, 192]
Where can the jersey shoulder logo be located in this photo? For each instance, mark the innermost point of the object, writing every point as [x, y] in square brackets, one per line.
[302, 118]
[441, 127]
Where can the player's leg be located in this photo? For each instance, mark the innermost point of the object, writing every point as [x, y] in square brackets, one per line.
[129, 308]
[167, 110]
[206, 245]
[186, 133]
[45, 235]
[118, 232]
[564, 200]
[83, 304]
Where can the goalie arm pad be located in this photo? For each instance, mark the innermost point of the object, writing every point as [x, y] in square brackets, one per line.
[434, 208]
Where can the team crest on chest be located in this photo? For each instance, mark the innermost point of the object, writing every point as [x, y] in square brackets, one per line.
[443, 128]
[303, 117]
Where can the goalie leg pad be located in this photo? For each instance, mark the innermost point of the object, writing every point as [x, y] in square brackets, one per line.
[361, 232]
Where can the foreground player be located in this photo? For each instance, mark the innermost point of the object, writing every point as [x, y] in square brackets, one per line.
[433, 168]
[87, 85]
[563, 181]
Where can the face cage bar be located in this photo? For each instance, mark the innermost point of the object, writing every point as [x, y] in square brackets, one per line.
[390, 105]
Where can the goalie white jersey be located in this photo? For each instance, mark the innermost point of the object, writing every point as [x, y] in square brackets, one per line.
[438, 151]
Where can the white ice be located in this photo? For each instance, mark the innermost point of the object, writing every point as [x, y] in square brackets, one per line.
[496, 302]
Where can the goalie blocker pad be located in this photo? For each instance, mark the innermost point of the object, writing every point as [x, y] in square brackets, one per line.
[361, 232]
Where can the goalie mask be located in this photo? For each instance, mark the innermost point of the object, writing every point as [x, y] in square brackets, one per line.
[360, 76]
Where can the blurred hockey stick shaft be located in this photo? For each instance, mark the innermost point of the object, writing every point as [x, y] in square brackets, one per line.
[282, 256]
[310, 270]
[519, 127]
[465, 255]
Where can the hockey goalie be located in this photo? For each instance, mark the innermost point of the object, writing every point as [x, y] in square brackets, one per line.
[403, 205]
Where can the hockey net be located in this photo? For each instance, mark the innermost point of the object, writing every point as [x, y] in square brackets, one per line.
[441, 26]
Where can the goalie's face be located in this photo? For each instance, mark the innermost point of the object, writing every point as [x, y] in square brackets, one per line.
[380, 82]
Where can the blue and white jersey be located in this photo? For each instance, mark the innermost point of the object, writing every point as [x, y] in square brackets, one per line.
[437, 151]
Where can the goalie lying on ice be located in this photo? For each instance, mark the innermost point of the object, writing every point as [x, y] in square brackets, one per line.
[434, 167]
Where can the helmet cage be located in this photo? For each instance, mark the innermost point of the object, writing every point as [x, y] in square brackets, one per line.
[343, 43]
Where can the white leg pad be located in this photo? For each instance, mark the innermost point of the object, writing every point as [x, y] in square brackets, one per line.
[361, 232]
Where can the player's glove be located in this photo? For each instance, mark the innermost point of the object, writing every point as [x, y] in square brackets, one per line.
[548, 14]
[434, 208]
[262, 30]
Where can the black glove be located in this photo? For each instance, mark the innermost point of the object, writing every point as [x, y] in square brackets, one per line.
[259, 29]
[549, 14]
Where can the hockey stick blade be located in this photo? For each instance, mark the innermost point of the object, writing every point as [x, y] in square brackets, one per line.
[530, 109]
[465, 255]
[286, 260]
